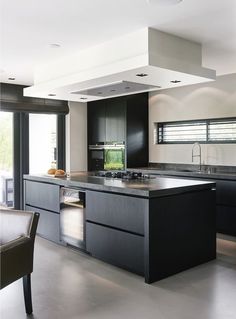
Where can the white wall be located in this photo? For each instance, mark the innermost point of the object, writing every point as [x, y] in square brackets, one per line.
[211, 100]
[76, 137]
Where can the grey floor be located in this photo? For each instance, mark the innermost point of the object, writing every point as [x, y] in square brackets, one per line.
[70, 285]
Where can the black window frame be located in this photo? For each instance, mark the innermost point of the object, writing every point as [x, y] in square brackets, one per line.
[160, 125]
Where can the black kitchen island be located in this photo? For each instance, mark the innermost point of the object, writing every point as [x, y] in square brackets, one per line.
[154, 227]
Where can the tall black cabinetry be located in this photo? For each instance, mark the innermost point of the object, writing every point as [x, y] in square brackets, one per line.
[122, 119]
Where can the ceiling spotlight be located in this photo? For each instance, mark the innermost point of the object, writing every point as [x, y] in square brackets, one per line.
[142, 74]
[175, 81]
[11, 79]
[51, 94]
[54, 45]
[163, 2]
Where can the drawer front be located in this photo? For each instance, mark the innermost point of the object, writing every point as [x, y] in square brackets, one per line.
[116, 247]
[226, 220]
[49, 224]
[118, 211]
[226, 192]
[42, 195]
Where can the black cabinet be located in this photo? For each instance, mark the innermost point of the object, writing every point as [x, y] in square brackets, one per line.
[226, 192]
[137, 130]
[49, 224]
[42, 195]
[122, 119]
[123, 212]
[45, 199]
[115, 120]
[96, 122]
[226, 207]
[116, 247]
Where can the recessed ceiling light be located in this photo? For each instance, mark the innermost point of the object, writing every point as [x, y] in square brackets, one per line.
[164, 2]
[142, 74]
[51, 94]
[11, 79]
[112, 90]
[175, 81]
[54, 45]
[99, 93]
[83, 98]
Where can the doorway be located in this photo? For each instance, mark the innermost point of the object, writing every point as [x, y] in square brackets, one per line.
[6, 160]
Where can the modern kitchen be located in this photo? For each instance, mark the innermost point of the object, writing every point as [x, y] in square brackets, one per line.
[118, 164]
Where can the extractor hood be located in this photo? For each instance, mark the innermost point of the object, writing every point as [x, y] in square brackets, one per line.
[144, 61]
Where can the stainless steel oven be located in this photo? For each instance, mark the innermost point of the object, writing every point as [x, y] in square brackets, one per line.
[96, 157]
[107, 156]
[72, 217]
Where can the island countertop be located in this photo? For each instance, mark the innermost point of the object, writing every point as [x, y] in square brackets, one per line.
[149, 188]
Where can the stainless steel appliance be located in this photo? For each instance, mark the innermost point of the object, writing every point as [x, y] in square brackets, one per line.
[72, 217]
[125, 175]
[107, 156]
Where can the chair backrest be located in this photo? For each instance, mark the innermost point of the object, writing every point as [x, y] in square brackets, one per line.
[17, 223]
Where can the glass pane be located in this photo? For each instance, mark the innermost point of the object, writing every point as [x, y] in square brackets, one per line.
[182, 132]
[42, 142]
[222, 130]
[6, 159]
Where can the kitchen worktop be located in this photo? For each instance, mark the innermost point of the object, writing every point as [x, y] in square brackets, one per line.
[153, 187]
[227, 175]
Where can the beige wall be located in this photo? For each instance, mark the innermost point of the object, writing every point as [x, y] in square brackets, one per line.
[211, 100]
[76, 137]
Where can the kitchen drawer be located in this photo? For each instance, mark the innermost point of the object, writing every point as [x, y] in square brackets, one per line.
[42, 195]
[49, 224]
[123, 212]
[116, 247]
[226, 220]
[226, 192]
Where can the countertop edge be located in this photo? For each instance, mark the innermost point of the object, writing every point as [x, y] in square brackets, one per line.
[120, 190]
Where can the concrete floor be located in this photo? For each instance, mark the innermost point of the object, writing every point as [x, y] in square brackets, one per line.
[70, 285]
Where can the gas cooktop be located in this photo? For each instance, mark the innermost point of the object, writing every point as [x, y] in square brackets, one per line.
[125, 175]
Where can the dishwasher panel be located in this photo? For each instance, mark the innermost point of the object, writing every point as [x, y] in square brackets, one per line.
[72, 217]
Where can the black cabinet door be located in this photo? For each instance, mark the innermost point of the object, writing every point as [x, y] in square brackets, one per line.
[115, 120]
[46, 196]
[118, 211]
[226, 192]
[116, 247]
[226, 220]
[49, 224]
[137, 130]
[96, 122]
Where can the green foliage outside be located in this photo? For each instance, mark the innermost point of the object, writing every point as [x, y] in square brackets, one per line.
[114, 159]
[6, 151]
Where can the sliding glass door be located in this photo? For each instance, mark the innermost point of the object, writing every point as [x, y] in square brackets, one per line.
[6, 160]
[42, 143]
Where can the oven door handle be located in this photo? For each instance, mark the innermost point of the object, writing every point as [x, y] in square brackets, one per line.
[95, 148]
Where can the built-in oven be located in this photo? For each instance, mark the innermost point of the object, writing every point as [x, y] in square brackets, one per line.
[72, 217]
[107, 156]
[96, 157]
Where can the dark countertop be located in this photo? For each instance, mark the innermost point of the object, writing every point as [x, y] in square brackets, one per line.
[154, 187]
[195, 174]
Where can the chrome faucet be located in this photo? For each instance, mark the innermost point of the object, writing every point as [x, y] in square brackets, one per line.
[197, 155]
